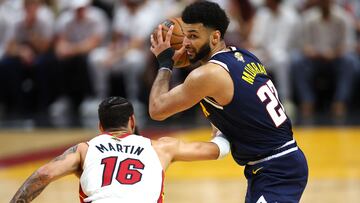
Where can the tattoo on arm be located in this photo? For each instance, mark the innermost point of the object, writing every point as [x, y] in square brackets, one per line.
[36, 183]
[32, 187]
[71, 150]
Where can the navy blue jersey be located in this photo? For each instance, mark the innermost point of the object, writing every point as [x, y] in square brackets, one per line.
[254, 121]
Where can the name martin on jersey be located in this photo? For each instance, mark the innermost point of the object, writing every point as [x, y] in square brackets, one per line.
[130, 149]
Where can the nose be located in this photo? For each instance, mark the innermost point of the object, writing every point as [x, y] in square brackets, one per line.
[186, 42]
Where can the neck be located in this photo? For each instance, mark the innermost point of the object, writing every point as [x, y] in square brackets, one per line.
[119, 132]
[220, 47]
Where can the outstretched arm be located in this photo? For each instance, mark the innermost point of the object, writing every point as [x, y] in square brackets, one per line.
[195, 151]
[171, 149]
[217, 148]
[68, 162]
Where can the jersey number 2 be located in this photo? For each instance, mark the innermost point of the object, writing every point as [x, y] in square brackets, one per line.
[127, 173]
[274, 106]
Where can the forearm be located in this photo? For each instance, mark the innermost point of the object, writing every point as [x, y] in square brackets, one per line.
[66, 163]
[339, 51]
[160, 86]
[87, 45]
[32, 187]
[217, 148]
[41, 45]
[12, 49]
[196, 151]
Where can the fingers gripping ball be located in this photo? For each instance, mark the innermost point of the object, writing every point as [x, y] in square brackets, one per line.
[176, 40]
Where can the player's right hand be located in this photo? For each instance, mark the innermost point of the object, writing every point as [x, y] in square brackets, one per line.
[160, 44]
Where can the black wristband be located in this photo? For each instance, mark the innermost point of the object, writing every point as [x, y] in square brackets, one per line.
[165, 58]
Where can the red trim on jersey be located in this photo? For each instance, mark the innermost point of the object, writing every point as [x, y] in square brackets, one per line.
[161, 196]
[119, 136]
[123, 135]
[82, 195]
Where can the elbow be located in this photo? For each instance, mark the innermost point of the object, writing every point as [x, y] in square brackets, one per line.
[156, 115]
[45, 174]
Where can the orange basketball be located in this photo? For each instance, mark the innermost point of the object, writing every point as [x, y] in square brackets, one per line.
[176, 40]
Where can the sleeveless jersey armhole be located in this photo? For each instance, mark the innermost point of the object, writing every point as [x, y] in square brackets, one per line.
[223, 65]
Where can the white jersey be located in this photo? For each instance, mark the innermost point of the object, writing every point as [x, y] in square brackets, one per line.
[123, 169]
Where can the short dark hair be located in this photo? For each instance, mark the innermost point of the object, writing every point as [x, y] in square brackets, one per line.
[114, 113]
[208, 13]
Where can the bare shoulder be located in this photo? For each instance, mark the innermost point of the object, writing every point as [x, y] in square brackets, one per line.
[208, 71]
[82, 146]
[204, 76]
[212, 79]
[82, 150]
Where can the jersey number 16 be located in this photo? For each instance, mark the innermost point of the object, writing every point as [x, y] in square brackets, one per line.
[127, 173]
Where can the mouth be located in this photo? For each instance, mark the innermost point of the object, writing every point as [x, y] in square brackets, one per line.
[190, 52]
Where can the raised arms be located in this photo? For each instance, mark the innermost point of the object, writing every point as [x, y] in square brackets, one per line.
[206, 80]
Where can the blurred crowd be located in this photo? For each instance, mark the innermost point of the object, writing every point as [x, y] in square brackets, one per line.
[60, 58]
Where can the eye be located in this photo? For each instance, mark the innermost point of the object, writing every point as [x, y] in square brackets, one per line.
[192, 36]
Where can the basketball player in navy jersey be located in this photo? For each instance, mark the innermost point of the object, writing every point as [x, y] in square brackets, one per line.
[240, 100]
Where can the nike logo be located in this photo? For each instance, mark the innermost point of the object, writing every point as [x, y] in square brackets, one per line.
[257, 170]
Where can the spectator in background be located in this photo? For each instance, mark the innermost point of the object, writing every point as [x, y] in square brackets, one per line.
[106, 5]
[25, 67]
[324, 51]
[356, 12]
[353, 8]
[5, 27]
[10, 14]
[80, 29]
[127, 53]
[241, 14]
[271, 40]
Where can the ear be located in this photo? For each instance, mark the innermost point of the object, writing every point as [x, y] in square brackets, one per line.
[215, 37]
[132, 123]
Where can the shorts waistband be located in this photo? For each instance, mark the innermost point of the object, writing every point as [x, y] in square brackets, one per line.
[287, 148]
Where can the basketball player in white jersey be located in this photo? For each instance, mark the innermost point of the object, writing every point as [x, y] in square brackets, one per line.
[118, 165]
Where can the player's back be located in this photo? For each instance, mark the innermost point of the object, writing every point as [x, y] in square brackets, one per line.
[254, 121]
[123, 169]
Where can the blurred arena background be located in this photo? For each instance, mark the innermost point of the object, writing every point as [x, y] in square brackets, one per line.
[60, 58]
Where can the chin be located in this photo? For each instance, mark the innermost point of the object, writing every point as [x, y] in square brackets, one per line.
[192, 61]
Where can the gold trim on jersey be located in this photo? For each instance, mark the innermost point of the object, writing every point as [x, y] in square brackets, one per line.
[206, 113]
[213, 103]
